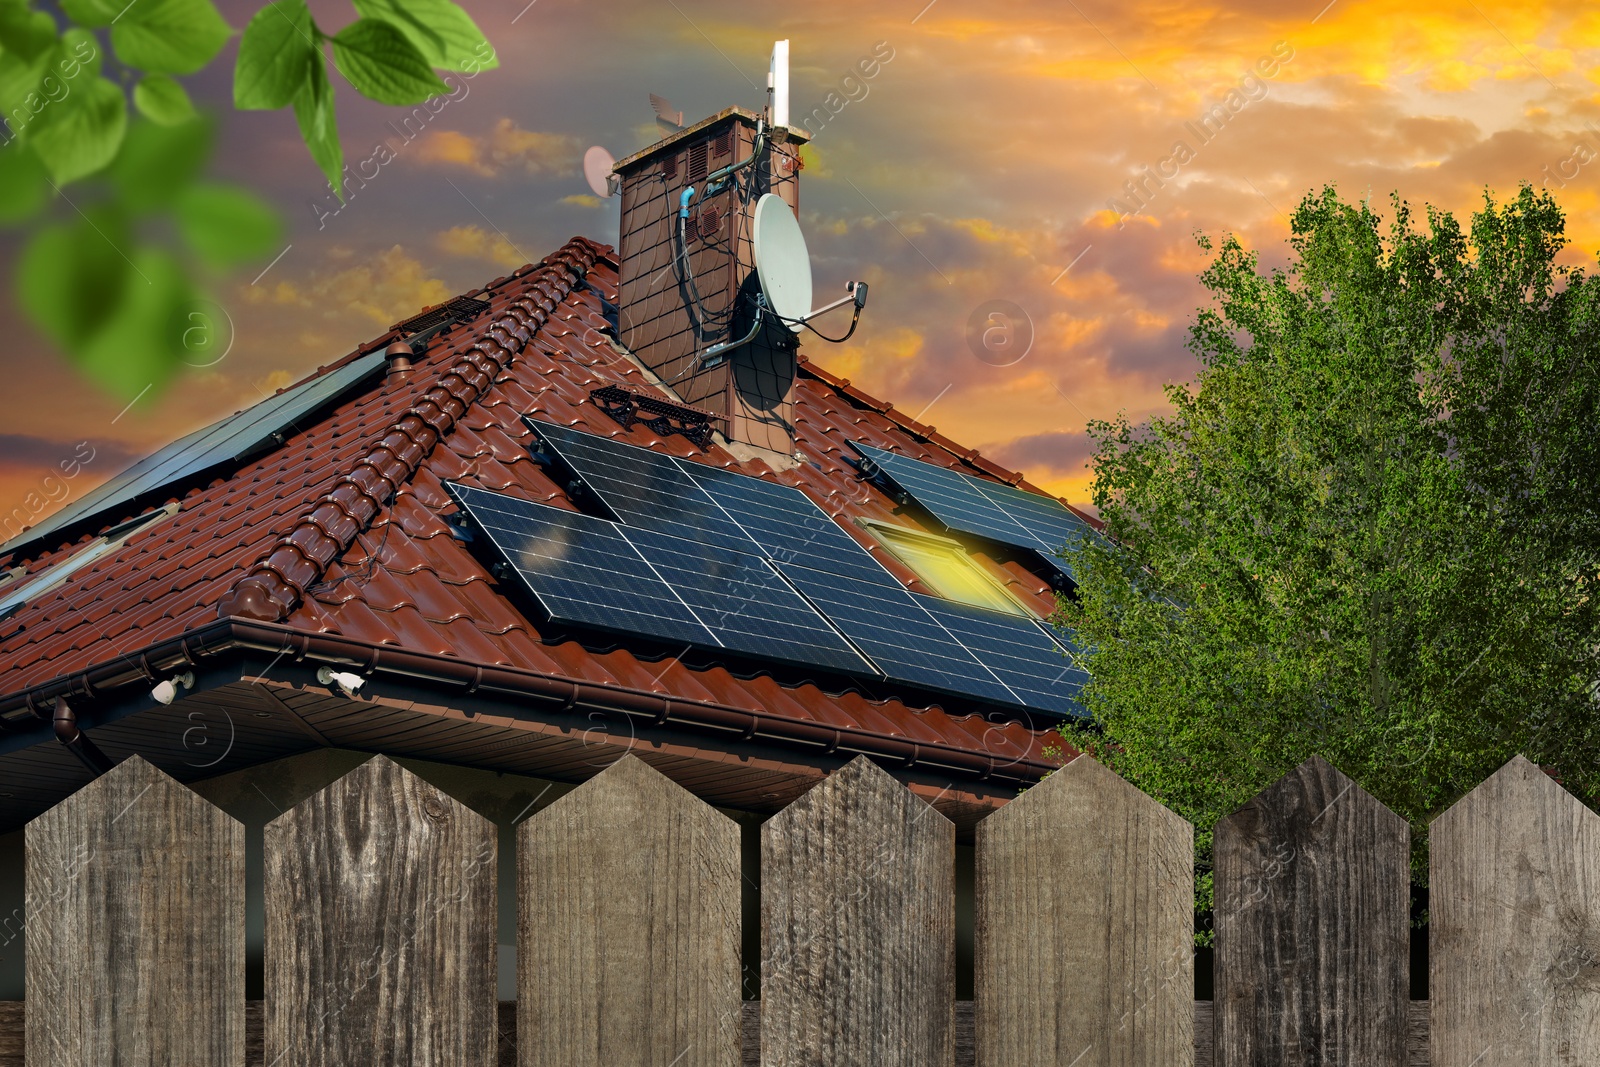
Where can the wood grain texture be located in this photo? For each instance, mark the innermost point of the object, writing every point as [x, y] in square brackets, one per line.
[628, 927]
[1312, 914]
[135, 927]
[380, 926]
[1514, 904]
[858, 927]
[750, 1015]
[1085, 927]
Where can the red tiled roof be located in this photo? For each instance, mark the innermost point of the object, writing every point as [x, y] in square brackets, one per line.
[339, 530]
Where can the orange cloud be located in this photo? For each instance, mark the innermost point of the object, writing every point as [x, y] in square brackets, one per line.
[474, 242]
[507, 147]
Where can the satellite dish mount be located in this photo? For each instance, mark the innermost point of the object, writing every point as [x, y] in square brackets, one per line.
[783, 268]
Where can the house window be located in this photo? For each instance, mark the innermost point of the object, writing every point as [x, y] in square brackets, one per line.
[945, 567]
[20, 589]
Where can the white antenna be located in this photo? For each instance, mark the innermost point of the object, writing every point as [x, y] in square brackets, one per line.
[778, 82]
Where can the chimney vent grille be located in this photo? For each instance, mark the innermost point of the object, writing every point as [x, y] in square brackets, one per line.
[697, 161]
[710, 222]
[669, 167]
[722, 144]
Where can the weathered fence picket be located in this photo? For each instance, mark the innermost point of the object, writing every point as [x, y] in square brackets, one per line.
[135, 927]
[1312, 922]
[380, 926]
[1514, 907]
[1085, 927]
[380, 898]
[858, 927]
[628, 929]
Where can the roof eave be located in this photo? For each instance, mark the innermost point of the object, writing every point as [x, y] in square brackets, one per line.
[31, 709]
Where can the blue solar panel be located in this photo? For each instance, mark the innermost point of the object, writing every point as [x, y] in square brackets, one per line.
[744, 603]
[1050, 522]
[229, 440]
[986, 509]
[582, 569]
[898, 634]
[788, 525]
[594, 572]
[642, 488]
[1017, 651]
[950, 497]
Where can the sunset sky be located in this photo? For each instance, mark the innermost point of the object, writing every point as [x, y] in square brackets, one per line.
[980, 165]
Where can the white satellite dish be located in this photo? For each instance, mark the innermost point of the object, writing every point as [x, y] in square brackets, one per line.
[782, 263]
[597, 164]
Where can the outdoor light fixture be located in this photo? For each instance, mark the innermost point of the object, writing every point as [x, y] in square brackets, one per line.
[166, 692]
[346, 681]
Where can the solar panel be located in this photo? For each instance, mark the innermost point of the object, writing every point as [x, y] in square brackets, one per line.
[1050, 522]
[744, 603]
[581, 569]
[788, 525]
[949, 496]
[897, 634]
[986, 509]
[1017, 651]
[642, 488]
[228, 440]
[594, 572]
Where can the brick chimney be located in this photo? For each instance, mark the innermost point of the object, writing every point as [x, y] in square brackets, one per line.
[669, 316]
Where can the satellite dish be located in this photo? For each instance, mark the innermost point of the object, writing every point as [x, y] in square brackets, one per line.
[597, 164]
[782, 263]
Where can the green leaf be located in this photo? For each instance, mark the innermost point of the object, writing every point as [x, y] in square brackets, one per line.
[141, 344]
[80, 134]
[226, 224]
[24, 187]
[70, 277]
[169, 36]
[20, 99]
[276, 54]
[383, 65]
[118, 310]
[444, 33]
[80, 51]
[93, 12]
[26, 32]
[162, 100]
[157, 163]
[313, 110]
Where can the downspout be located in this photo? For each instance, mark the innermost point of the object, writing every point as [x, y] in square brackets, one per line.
[77, 742]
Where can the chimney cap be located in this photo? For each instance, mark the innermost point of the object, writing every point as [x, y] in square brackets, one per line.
[795, 134]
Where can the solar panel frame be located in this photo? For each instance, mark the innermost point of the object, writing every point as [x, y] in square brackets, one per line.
[227, 440]
[788, 525]
[1020, 652]
[642, 488]
[593, 572]
[903, 640]
[747, 605]
[1008, 515]
[949, 496]
[581, 569]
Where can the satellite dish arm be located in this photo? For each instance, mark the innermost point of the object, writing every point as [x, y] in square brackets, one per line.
[715, 351]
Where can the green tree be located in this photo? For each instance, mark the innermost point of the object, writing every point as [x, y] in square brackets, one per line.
[125, 233]
[1369, 529]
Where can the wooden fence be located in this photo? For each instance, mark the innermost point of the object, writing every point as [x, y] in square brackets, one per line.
[380, 899]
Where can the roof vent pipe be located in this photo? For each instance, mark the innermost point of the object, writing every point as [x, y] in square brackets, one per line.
[399, 356]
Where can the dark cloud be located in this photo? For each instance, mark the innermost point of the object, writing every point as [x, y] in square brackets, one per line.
[1055, 453]
[25, 451]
